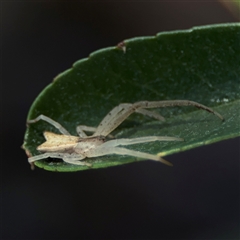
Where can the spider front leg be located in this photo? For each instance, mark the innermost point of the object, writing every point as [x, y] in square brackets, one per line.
[50, 121]
[118, 114]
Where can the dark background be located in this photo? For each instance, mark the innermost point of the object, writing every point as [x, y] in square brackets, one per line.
[196, 199]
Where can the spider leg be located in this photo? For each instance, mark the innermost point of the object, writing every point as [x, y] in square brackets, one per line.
[150, 114]
[66, 157]
[82, 128]
[45, 155]
[50, 121]
[114, 118]
[129, 141]
[118, 114]
[101, 151]
[173, 103]
[108, 123]
[76, 160]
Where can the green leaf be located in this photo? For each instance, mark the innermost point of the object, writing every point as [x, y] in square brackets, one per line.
[200, 64]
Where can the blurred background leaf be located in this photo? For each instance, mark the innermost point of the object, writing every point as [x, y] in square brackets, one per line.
[233, 7]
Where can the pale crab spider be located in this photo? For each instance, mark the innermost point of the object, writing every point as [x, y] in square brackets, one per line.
[73, 149]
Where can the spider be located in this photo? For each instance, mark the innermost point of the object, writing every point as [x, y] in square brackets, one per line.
[73, 149]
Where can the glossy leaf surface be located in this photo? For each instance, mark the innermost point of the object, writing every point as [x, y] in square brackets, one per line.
[200, 64]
